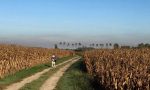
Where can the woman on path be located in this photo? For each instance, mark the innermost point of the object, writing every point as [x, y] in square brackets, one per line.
[53, 60]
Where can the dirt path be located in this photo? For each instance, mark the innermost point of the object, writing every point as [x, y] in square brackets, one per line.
[18, 85]
[51, 83]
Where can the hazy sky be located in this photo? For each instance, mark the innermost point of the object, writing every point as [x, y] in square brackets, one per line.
[46, 21]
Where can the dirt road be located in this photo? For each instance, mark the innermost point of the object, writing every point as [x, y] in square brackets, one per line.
[51, 83]
[18, 85]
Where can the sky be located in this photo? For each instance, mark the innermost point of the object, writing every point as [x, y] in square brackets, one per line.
[41, 22]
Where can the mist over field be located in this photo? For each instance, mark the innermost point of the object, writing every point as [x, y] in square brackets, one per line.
[49, 41]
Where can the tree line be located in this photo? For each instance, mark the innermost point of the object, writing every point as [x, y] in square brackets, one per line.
[81, 45]
[99, 45]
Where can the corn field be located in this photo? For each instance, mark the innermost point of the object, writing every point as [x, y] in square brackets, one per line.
[120, 69]
[14, 58]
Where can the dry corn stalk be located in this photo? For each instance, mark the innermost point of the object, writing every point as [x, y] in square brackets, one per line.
[14, 58]
[121, 69]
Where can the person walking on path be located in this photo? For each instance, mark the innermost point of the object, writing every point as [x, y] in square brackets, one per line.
[53, 60]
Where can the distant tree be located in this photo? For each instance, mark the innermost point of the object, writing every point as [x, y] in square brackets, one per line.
[142, 45]
[83, 49]
[56, 47]
[90, 45]
[76, 44]
[68, 44]
[147, 45]
[64, 43]
[102, 45]
[110, 44]
[106, 45]
[125, 47]
[96, 45]
[79, 44]
[93, 44]
[60, 43]
[72, 44]
[116, 45]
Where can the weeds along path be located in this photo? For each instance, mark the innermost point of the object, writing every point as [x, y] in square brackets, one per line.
[51, 83]
[18, 85]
